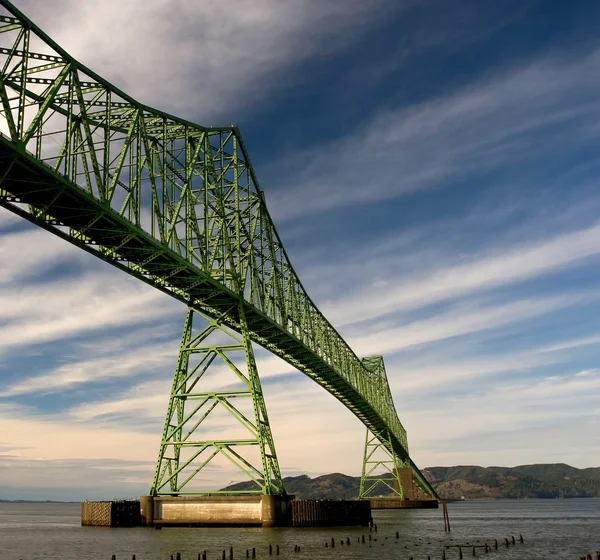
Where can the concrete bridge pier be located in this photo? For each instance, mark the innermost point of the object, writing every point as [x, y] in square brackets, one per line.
[265, 510]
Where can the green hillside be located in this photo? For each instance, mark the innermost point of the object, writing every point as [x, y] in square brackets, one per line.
[526, 481]
[471, 482]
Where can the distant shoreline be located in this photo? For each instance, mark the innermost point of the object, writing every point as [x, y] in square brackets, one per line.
[38, 502]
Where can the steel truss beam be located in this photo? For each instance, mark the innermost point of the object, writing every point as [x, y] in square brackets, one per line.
[381, 470]
[172, 203]
[186, 448]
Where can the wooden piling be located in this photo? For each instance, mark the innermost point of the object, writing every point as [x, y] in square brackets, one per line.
[253, 552]
[231, 553]
[460, 555]
[446, 518]
[332, 542]
[270, 550]
[513, 539]
[474, 553]
[496, 544]
[277, 550]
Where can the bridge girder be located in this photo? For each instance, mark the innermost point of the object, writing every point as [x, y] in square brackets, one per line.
[172, 203]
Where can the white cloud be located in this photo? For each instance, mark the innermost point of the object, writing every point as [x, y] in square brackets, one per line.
[530, 421]
[462, 320]
[135, 362]
[31, 252]
[508, 266]
[203, 59]
[515, 115]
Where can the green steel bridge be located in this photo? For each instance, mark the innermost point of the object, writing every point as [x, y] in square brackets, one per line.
[178, 206]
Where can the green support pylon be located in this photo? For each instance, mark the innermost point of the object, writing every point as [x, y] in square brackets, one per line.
[381, 470]
[186, 447]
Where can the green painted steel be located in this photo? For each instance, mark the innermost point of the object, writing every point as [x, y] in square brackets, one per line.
[381, 470]
[172, 203]
[182, 457]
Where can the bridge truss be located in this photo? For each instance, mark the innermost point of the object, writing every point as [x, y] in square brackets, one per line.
[178, 206]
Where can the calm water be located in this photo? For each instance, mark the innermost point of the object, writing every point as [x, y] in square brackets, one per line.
[552, 529]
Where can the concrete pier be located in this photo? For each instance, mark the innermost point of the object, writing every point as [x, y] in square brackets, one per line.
[265, 511]
[394, 503]
[226, 511]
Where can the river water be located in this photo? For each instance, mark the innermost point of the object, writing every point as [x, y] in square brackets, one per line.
[552, 529]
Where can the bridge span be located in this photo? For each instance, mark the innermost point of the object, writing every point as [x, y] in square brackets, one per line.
[178, 206]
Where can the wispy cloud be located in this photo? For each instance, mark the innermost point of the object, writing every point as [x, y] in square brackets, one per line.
[511, 116]
[482, 272]
[460, 321]
[539, 412]
[196, 59]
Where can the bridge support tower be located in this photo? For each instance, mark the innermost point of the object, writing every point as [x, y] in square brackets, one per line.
[387, 481]
[208, 358]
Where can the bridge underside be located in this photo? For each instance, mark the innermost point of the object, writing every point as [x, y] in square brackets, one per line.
[37, 193]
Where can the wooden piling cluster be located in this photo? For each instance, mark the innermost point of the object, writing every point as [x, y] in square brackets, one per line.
[250, 553]
[465, 549]
[330, 513]
[486, 547]
[588, 556]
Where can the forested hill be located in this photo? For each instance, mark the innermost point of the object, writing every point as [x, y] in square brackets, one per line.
[470, 482]
[526, 481]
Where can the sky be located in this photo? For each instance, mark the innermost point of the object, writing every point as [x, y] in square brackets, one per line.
[432, 169]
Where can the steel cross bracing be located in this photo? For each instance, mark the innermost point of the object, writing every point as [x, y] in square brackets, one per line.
[182, 455]
[175, 204]
[381, 470]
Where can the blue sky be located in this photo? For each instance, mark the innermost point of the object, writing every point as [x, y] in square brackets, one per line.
[432, 170]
